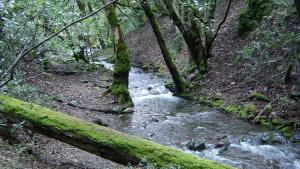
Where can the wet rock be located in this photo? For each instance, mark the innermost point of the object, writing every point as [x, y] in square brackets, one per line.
[196, 145]
[100, 122]
[151, 134]
[199, 129]
[257, 139]
[222, 137]
[296, 138]
[222, 142]
[128, 110]
[117, 109]
[224, 147]
[219, 145]
[154, 120]
[273, 138]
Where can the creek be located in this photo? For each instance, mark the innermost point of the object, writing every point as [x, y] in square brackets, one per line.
[173, 121]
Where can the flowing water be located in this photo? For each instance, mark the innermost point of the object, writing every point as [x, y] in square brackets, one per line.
[173, 121]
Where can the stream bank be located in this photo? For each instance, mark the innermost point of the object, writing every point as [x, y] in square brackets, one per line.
[201, 130]
[243, 71]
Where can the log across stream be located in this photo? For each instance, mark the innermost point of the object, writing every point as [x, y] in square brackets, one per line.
[108, 143]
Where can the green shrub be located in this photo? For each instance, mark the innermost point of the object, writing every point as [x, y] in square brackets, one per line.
[252, 14]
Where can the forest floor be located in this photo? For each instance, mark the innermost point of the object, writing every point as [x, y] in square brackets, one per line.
[241, 66]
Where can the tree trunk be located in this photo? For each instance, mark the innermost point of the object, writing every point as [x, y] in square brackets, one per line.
[82, 8]
[180, 86]
[191, 37]
[121, 70]
[99, 140]
[297, 3]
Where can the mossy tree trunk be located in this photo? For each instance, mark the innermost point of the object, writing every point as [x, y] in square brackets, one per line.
[180, 85]
[107, 143]
[121, 70]
[192, 38]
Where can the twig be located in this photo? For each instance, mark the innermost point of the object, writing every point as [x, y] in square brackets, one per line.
[23, 54]
[127, 17]
[265, 108]
[231, 87]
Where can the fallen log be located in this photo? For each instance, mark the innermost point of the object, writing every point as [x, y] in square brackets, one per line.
[107, 143]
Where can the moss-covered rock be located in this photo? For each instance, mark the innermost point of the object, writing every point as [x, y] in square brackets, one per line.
[259, 96]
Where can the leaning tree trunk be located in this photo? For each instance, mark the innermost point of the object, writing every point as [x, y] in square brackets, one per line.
[191, 37]
[297, 3]
[121, 70]
[107, 143]
[180, 85]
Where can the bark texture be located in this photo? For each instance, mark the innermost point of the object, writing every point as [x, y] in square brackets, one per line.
[180, 85]
[191, 36]
[121, 70]
[99, 140]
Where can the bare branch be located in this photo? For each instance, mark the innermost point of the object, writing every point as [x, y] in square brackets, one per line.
[221, 23]
[12, 67]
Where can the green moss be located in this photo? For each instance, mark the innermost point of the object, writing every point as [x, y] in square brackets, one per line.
[287, 131]
[268, 109]
[145, 68]
[99, 139]
[259, 96]
[161, 71]
[169, 84]
[265, 122]
[193, 86]
[245, 112]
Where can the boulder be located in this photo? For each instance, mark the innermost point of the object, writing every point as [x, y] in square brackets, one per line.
[273, 138]
[296, 138]
[196, 145]
[128, 110]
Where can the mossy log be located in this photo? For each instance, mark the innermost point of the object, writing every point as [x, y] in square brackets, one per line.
[107, 143]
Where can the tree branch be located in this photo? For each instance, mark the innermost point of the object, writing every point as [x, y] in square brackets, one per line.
[221, 23]
[127, 16]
